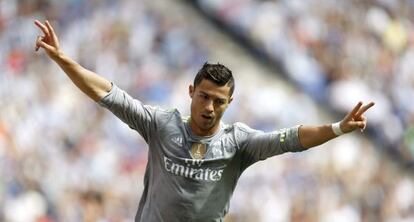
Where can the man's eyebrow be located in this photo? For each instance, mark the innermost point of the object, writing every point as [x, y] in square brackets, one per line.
[205, 93]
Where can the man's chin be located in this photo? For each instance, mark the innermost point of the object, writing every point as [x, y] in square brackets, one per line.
[207, 125]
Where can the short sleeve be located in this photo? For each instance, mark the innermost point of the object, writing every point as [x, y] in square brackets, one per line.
[131, 111]
[257, 145]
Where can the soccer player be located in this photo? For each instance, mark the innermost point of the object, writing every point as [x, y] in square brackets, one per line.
[194, 163]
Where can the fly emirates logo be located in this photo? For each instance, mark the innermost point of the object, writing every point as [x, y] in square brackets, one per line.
[192, 170]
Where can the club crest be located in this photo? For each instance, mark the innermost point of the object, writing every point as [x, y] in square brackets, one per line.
[198, 150]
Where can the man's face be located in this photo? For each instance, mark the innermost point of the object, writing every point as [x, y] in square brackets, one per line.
[209, 101]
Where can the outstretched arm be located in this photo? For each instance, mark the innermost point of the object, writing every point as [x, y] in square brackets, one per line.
[93, 85]
[311, 136]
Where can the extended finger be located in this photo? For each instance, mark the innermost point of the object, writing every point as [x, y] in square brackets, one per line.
[42, 27]
[51, 31]
[354, 111]
[364, 109]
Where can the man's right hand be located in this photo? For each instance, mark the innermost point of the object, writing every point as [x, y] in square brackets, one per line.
[49, 42]
[93, 85]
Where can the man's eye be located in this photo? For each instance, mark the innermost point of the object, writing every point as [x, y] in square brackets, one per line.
[220, 102]
[204, 96]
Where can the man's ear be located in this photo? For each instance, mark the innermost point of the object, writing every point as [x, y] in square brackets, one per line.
[191, 91]
[231, 99]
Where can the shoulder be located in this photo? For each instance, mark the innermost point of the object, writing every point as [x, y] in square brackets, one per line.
[167, 116]
[164, 113]
[241, 131]
[244, 128]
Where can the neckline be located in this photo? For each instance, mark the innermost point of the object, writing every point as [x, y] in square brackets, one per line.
[195, 137]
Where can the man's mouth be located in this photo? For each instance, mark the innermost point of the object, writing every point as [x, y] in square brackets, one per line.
[208, 117]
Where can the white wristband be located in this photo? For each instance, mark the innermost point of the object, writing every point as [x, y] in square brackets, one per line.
[337, 129]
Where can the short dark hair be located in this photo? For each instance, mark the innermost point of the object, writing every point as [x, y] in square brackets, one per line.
[217, 73]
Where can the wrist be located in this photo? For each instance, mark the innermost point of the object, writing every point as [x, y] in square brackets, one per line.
[58, 55]
[336, 128]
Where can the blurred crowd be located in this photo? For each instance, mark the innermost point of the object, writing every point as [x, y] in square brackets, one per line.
[339, 52]
[63, 158]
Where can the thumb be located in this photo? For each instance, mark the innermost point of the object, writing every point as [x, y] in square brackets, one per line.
[45, 46]
[352, 125]
[355, 124]
[41, 43]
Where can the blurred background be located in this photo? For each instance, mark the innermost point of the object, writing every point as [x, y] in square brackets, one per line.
[64, 158]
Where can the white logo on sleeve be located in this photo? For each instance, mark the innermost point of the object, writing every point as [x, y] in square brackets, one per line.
[177, 140]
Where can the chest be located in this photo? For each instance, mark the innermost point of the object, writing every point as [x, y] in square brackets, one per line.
[176, 142]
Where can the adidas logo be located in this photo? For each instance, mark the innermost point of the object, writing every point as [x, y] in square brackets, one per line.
[177, 140]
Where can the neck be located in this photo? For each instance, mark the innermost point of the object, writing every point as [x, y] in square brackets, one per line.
[196, 130]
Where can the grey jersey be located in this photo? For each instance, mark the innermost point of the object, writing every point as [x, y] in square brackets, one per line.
[178, 187]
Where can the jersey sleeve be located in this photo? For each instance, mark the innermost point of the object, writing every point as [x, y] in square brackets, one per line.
[257, 145]
[131, 111]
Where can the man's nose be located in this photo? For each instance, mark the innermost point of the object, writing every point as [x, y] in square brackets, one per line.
[210, 106]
